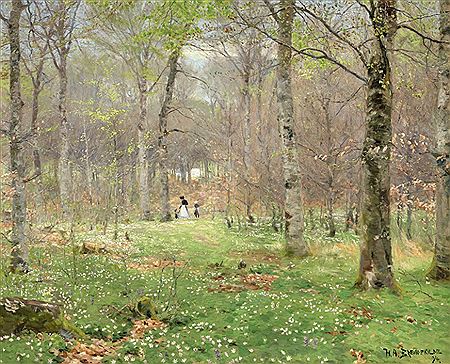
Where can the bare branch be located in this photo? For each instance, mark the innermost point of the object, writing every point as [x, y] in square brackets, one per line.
[309, 52]
[423, 36]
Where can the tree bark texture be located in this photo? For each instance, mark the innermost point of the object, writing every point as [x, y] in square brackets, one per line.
[19, 252]
[376, 252]
[64, 129]
[163, 132]
[246, 130]
[440, 268]
[293, 205]
[143, 170]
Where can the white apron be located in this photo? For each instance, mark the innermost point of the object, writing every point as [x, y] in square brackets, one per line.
[184, 213]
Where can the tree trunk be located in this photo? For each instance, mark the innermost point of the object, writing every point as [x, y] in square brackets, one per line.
[330, 162]
[116, 177]
[37, 88]
[144, 191]
[409, 206]
[330, 215]
[229, 168]
[440, 268]
[183, 171]
[293, 205]
[376, 252]
[312, 225]
[349, 220]
[189, 174]
[19, 253]
[163, 132]
[246, 97]
[64, 173]
[87, 165]
[399, 216]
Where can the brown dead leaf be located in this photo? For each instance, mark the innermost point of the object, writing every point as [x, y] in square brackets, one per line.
[259, 281]
[140, 327]
[252, 282]
[218, 278]
[151, 263]
[364, 312]
[394, 330]
[88, 354]
[336, 333]
[257, 256]
[359, 356]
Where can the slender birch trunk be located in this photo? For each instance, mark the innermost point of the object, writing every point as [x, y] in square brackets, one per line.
[376, 251]
[143, 169]
[19, 253]
[246, 130]
[440, 268]
[64, 170]
[60, 48]
[229, 168]
[163, 132]
[293, 205]
[37, 88]
[87, 163]
[330, 161]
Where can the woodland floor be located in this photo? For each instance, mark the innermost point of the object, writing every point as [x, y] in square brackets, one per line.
[277, 309]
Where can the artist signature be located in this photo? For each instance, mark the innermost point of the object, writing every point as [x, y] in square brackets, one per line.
[409, 353]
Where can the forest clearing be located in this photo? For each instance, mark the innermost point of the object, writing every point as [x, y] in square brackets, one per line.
[224, 181]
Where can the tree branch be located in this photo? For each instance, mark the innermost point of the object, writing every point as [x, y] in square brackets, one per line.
[423, 36]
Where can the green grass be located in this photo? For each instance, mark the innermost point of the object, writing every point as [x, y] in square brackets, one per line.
[311, 314]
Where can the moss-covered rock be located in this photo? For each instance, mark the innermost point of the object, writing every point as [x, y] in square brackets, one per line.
[145, 307]
[17, 314]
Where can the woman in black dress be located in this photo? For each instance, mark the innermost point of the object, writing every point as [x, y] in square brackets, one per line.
[183, 213]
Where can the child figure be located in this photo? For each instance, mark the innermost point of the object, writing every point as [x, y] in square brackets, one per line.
[197, 210]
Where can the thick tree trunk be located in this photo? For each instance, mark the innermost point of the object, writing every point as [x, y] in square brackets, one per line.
[19, 252]
[440, 268]
[376, 252]
[293, 205]
[163, 132]
[144, 191]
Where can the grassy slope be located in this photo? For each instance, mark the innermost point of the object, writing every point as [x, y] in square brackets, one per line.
[311, 314]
